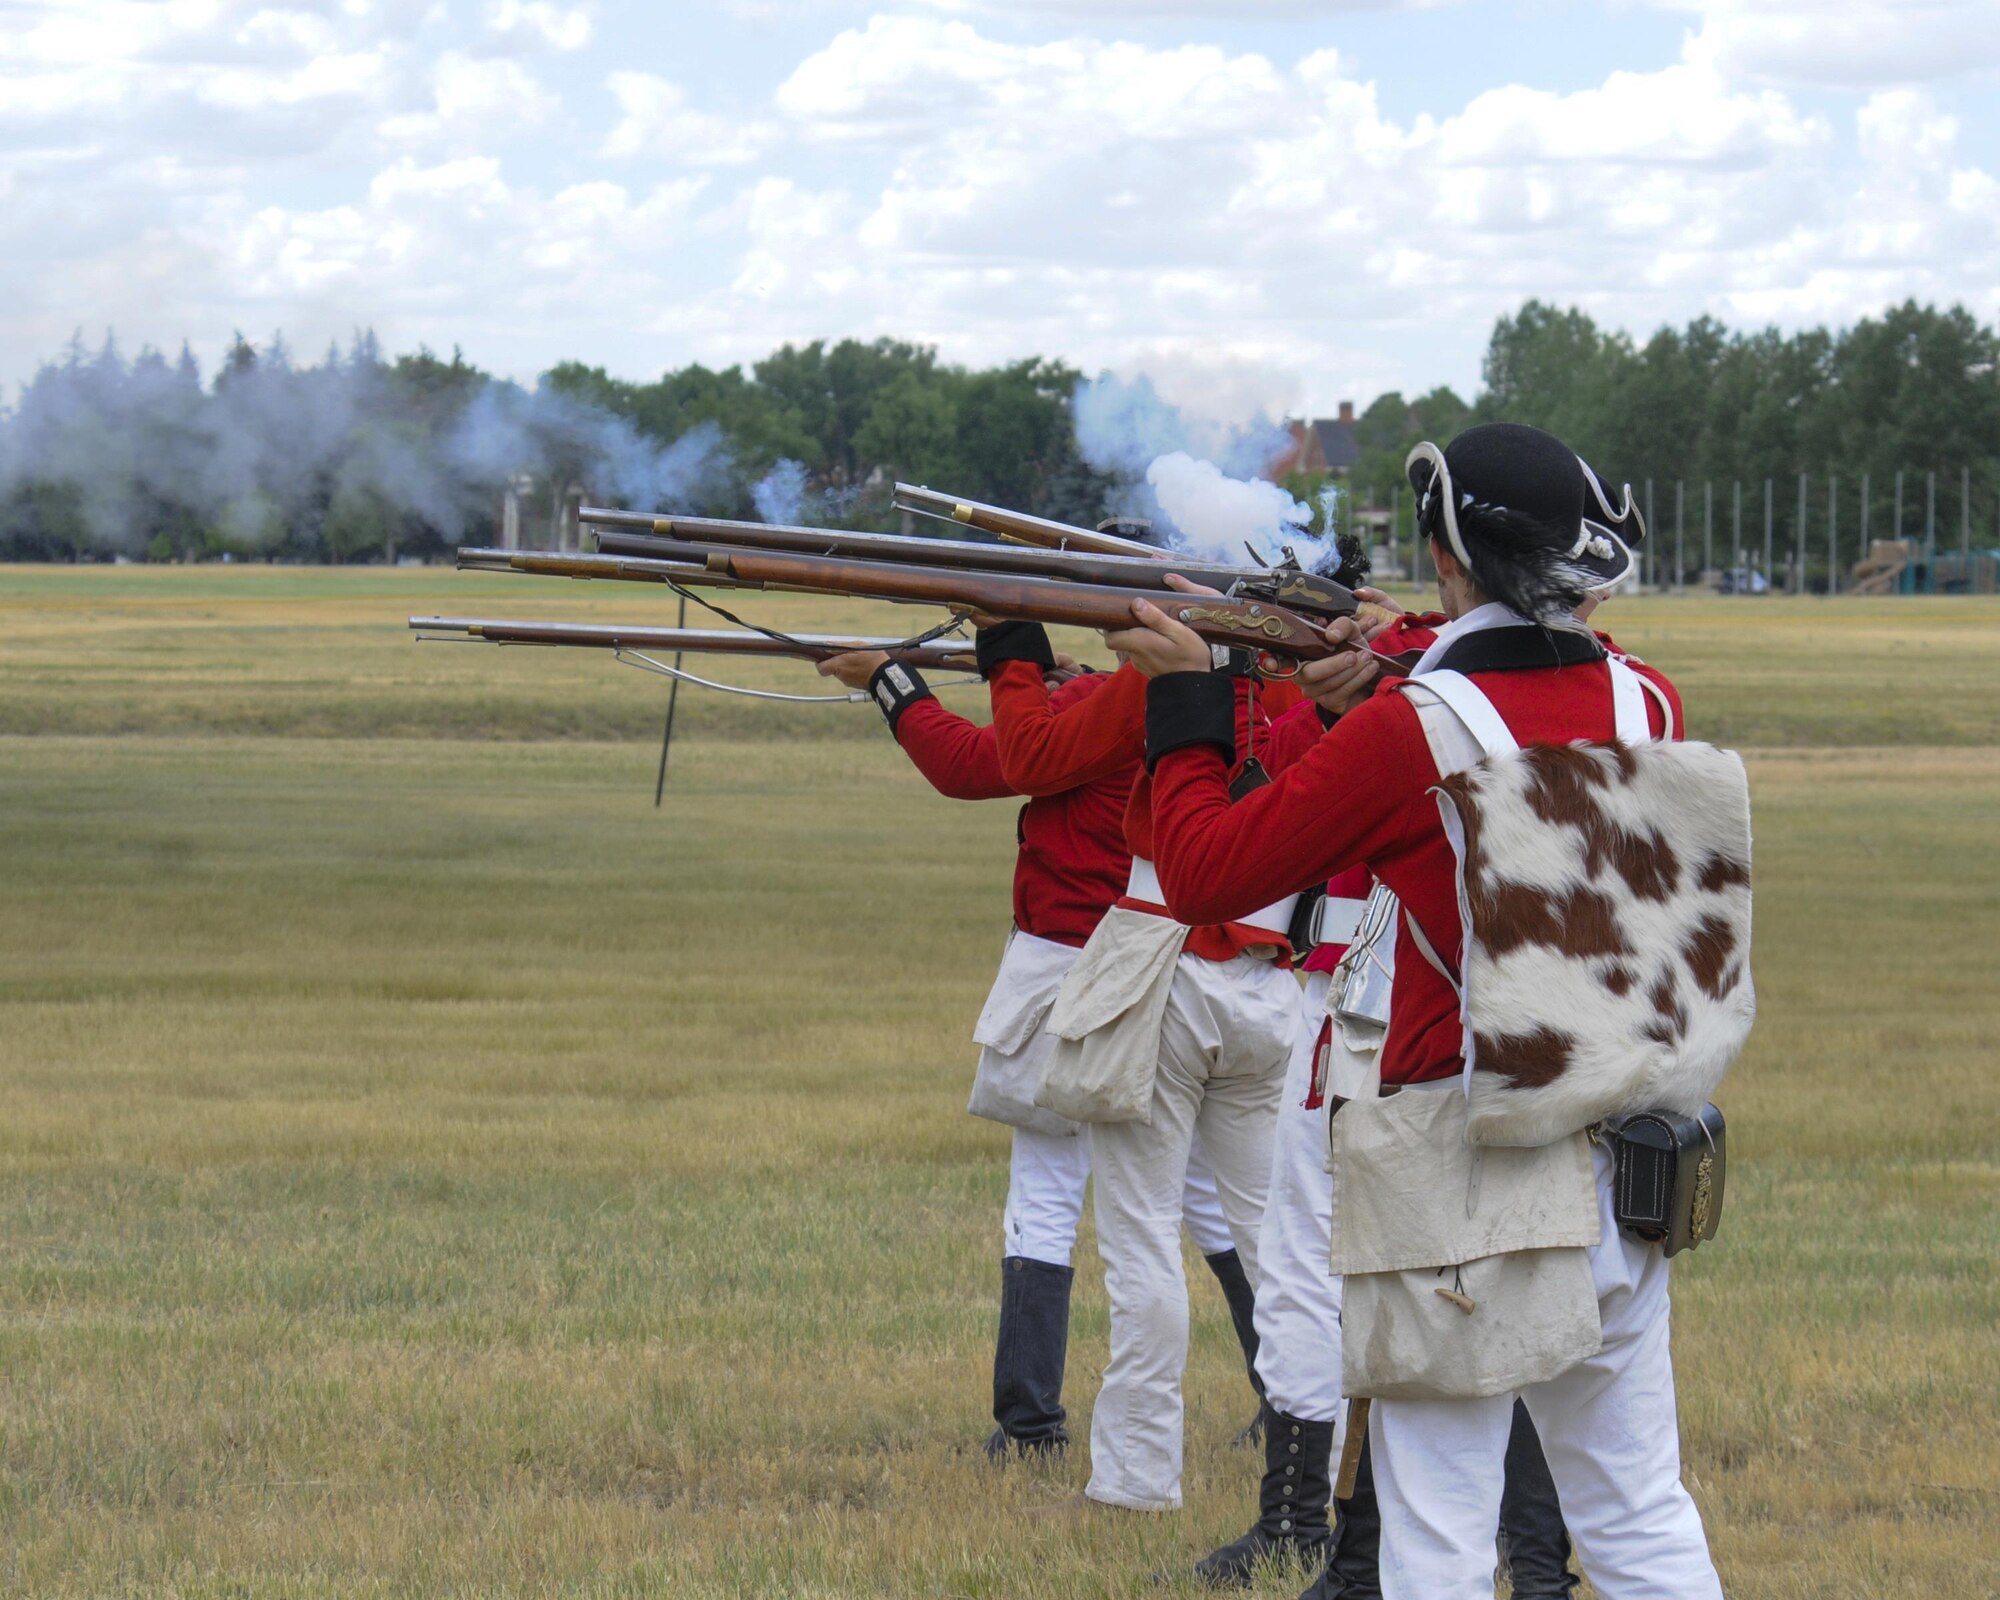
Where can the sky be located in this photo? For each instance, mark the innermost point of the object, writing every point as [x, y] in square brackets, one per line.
[1262, 204]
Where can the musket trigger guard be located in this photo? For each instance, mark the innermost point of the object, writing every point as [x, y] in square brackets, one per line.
[1274, 669]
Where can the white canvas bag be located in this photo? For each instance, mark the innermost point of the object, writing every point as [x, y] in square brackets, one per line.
[1014, 1044]
[1107, 1018]
[1466, 1271]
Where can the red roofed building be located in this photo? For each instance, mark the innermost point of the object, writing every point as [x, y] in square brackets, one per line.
[1325, 448]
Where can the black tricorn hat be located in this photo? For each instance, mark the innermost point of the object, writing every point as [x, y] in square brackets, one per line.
[1504, 495]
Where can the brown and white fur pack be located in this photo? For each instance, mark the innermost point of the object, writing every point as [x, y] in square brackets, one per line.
[1605, 895]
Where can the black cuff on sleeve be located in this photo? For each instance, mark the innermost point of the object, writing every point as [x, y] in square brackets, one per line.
[896, 686]
[1326, 718]
[1185, 708]
[1013, 641]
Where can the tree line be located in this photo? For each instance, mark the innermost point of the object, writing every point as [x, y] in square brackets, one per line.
[364, 457]
[1914, 391]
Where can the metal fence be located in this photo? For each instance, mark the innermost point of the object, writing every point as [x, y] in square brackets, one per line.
[1904, 533]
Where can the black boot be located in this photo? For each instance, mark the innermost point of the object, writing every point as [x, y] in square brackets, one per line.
[1291, 1503]
[1534, 1544]
[1028, 1358]
[1227, 1266]
[1353, 1558]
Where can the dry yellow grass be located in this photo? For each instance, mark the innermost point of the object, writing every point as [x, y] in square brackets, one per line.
[425, 1169]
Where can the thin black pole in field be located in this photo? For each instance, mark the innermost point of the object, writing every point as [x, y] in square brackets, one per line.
[1897, 531]
[1396, 529]
[1651, 522]
[1799, 542]
[1707, 525]
[673, 700]
[1862, 554]
[1770, 581]
[1677, 526]
[1930, 524]
[1736, 562]
[1965, 523]
[1832, 534]
[1651, 525]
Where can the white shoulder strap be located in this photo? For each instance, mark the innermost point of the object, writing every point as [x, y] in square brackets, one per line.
[1472, 708]
[1628, 700]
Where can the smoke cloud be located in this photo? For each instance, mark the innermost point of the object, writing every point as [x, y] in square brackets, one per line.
[346, 456]
[1196, 480]
[1213, 512]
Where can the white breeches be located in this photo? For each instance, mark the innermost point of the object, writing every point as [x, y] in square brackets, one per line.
[1045, 1185]
[1298, 1297]
[1612, 1438]
[1224, 1042]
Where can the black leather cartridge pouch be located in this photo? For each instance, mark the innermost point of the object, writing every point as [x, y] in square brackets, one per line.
[1303, 935]
[1668, 1175]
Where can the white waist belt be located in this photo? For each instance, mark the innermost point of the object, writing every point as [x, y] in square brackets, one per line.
[1337, 921]
[1276, 918]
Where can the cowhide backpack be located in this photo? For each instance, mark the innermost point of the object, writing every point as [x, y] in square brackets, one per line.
[1604, 891]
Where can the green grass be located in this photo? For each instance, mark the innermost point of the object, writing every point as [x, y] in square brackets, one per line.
[427, 1169]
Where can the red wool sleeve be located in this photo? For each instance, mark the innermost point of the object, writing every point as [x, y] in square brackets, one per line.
[1049, 749]
[958, 758]
[1291, 735]
[1341, 802]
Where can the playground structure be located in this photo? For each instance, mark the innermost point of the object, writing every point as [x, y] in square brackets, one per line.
[1900, 566]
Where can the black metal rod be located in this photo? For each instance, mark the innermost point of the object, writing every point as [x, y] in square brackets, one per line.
[673, 700]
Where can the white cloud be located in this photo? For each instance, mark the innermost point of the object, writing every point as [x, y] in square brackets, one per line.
[1075, 12]
[1245, 225]
[474, 102]
[1684, 115]
[536, 22]
[1903, 128]
[1232, 214]
[1849, 43]
[657, 123]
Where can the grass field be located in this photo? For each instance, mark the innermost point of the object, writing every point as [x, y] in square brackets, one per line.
[425, 1169]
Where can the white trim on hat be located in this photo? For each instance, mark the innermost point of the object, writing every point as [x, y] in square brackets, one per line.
[1440, 480]
[1620, 515]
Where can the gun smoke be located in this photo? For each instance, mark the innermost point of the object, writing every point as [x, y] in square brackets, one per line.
[1195, 480]
[359, 455]
[346, 456]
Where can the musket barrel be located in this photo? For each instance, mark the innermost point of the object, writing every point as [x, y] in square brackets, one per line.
[954, 654]
[1301, 591]
[562, 564]
[605, 517]
[1005, 524]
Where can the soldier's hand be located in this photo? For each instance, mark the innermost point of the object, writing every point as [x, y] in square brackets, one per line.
[1066, 667]
[1160, 644]
[1341, 682]
[853, 668]
[1381, 612]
